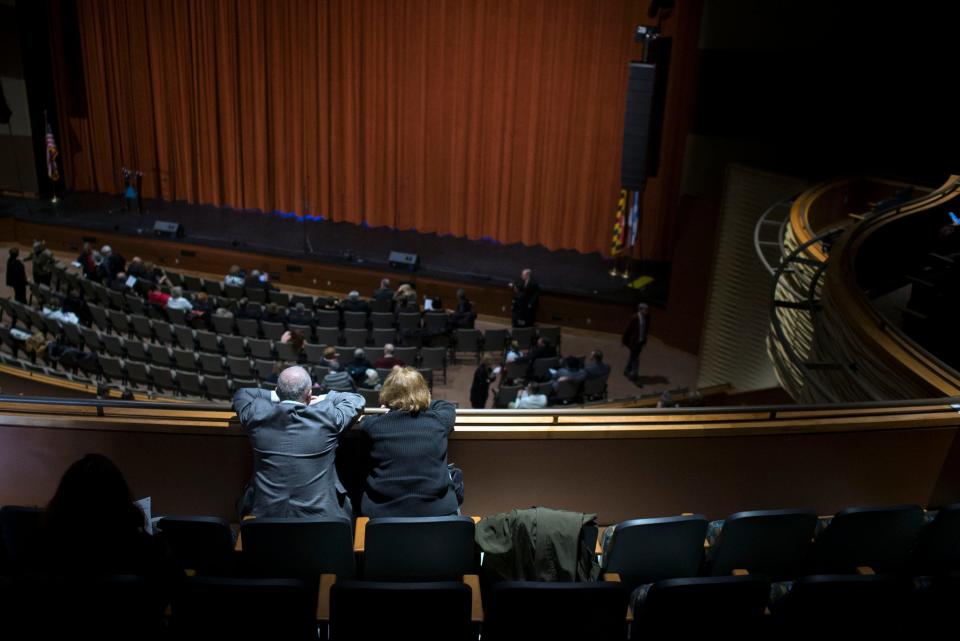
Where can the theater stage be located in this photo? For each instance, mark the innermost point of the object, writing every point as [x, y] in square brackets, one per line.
[485, 263]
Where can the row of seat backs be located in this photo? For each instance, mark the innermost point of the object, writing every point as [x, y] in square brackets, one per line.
[780, 544]
[396, 549]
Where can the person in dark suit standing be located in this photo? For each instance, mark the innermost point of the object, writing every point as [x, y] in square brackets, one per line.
[294, 438]
[407, 448]
[17, 276]
[634, 338]
[526, 297]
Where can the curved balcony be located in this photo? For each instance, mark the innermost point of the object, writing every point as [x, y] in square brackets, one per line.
[847, 245]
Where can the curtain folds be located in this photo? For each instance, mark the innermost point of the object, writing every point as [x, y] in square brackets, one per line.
[479, 118]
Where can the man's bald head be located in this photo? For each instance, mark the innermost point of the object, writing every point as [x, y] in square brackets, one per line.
[294, 384]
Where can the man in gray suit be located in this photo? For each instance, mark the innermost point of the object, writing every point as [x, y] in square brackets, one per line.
[294, 437]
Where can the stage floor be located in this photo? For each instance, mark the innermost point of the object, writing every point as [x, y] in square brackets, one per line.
[484, 262]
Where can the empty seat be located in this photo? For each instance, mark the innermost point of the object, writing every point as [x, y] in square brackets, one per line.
[435, 358]
[113, 345]
[272, 331]
[534, 610]
[234, 345]
[829, 604]
[505, 395]
[176, 316]
[19, 538]
[135, 350]
[120, 322]
[419, 549]
[160, 355]
[248, 327]
[383, 336]
[185, 359]
[279, 297]
[328, 335]
[355, 337]
[467, 340]
[211, 363]
[381, 320]
[208, 341]
[354, 320]
[516, 371]
[137, 373]
[314, 352]
[189, 383]
[328, 318]
[260, 348]
[164, 332]
[408, 321]
[938, 547]
[424, 611]
[649, 550]
[112, 369]
[551, 333]
[218, 387]
[523, 336]
[239, 366]
[205, 608]
[774, 543]
[142, 327]
[223, 324]
[163, 380]
[285, 352]
[875, 537]
[298, 548]
[370, 396]
[203, 544]
[185, 337]
[700, 606]
[435, 322]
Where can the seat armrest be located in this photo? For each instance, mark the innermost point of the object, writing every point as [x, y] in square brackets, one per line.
[360, 533]
[323, 596]
[865, 570]
[472, 581]
[740, 572]
[611, 577]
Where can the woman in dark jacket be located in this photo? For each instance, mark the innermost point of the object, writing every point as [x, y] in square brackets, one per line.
[482, 377]
[408, 451]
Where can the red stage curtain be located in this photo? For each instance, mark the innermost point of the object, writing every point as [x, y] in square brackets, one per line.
[484, 118]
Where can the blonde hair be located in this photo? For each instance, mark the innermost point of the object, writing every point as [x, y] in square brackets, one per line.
[405, 389]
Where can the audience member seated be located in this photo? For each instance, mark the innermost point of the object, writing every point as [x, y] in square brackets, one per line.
[246, 309]
[300, 315]
[136, 268]
[294, 437]
[383, 292]
[155, 274]
[234, 277]
[202, 310]
[513, 352]
[405, 300]
[330, 358]
[463, 316]
[358, 367]
[339, 380]
[88, 262]
[388, 360]
[74, 303]
[571, 371]
[353, 303]
[543, 349]
[296, 340]
[52, 310]
[596, 368]
[271, 314]
[371, 380]
[177, 301]
[529, 399]
[119, 283]
[258, 280]
[93, 527]
[407, 447]
[157, 297]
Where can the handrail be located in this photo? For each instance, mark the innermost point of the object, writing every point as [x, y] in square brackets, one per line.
[864, 319]
[746, 409]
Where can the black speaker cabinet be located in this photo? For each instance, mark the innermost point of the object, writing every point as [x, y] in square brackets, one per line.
[167, 229]
[404, 260]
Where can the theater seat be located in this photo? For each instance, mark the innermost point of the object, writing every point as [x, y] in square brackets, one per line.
[876, 537]
[207, 608]
[774, 543]
[419, 549]
[298, 548]
[575, 611]
[649, 550]
[938, 548]
[201, 544]
[424, 611]
[701, 606]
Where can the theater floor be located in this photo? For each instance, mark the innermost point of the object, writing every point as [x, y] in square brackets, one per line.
[661, 367]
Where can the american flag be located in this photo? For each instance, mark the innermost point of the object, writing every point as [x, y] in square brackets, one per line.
[52, 154]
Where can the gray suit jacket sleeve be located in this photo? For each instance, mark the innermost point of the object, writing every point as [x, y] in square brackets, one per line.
[344, 408]
[245, 401]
